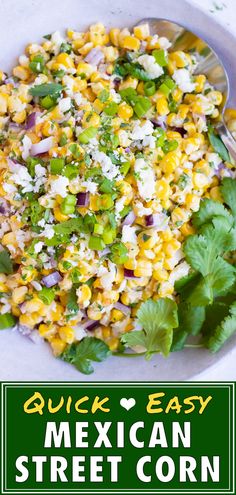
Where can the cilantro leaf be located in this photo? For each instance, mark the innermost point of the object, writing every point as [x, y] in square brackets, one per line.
[218, 145]
[223, 331]
[72, 304]
[6, 265]
[208, 210]
[228, 190]
[191, 319]
[51, 89]
[158, 318]
[87, 350]
[69, 226]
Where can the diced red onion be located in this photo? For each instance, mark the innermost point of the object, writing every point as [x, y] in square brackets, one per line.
[52, 279]
[29, 333]
[13, 126]
[31, 120]
[21, 306]
[116, 82]
[160, 121]
[158, 220]
[103, 252]
[83, 199]
[222, 167]
[4, 207]
[129, 219]
[180, 130]
[90, 324]
[95, 56]
[42, 147]
[122, 307]
[127, 150]
[129, 273]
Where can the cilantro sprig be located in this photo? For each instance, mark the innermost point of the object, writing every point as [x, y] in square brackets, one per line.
[82, 353]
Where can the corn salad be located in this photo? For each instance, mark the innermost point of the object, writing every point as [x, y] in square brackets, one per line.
[104, 157]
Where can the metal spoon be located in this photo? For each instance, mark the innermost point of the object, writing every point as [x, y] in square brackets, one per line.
[209, 64]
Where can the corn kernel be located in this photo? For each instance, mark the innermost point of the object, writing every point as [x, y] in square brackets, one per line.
[58, 346]
[131, 43]
[18, 294]
[66, 334]
[162, 106]
[125, 111]
[142, 32]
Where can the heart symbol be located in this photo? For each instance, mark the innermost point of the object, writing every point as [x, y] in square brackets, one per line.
[127, 403]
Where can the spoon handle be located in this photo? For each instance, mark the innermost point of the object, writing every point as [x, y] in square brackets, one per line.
[227, 139]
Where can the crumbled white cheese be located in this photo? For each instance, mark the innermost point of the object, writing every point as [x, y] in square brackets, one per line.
[22, 178]
[78, 98]
[26, 146]
[149, 141]
[213, 159]
[115, 96]
[141, 131]
[59, 186]
[141, 211]
[164, 43]
[150, 65]
[38, 247]
[129, 234]
[145, 179]
[182, 77]
[4, 228]
[48, 231]
[119, 206]
[64, 104]
[109, 169]
[108, 278]
[90, 186]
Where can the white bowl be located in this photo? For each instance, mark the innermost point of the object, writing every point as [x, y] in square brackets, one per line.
[26, 21]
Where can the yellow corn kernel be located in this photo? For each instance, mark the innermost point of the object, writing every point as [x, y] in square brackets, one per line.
[114, 36]
[190, 128]
[146, 240]
[215, 97]
[85, 49]
[111, 53]
[160, 275]
[113, 343]
[57, 312]
[125, 111]
[192, 201]
[199, 83]
[9, 238]
[58, 346]
[142, 32]
[162, 106]
[199, 180]
[116, 315]
[130, 82]
[179, 215]
[170, 247]
[80, 84]
[66, 334]
[187, 229]
[179, 58]
[144, 268]
[165, 289]
[177, 95]
[21, 72]
[18, 294]
[88, 93]
[216, 194]
[125, 299]
[183, 111]
[131, 43]
[127, 191]
[19, 117]
[59, 216]
[84, 294]
[170, 162]
[130, 263]
[65, 60]
[91, 119]
[3, 103]
[163, 189]
[47, 331]
[30, 320]
[84, 68]
[3, 287]
[98, 105]
[34, 305]
[94, 313]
